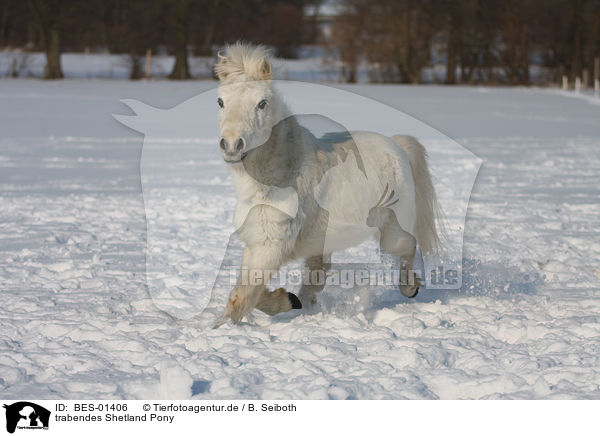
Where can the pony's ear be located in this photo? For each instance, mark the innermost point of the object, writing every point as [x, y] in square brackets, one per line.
[221, 66]
[265, 70]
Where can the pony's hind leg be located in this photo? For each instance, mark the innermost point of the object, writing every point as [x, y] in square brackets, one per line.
[398, 242]
[313, 278]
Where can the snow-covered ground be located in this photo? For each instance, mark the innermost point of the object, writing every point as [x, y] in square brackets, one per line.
[77, 321]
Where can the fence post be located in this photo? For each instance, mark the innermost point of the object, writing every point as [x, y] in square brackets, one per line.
[148, 63]
[565, 83]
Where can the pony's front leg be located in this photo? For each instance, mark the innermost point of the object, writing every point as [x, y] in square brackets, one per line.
[258, 266]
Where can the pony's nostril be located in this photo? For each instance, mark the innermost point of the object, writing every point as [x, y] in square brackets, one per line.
[240, 145]
[222, 144]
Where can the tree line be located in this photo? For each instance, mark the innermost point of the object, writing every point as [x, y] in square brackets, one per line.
[177, 27]
[476, 41]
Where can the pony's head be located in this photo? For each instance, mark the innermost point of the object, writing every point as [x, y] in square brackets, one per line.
[248, 105]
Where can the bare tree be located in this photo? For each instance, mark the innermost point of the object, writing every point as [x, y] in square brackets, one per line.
[48, 20]
[394, 36]
[4, 22]
[576, 30]
[211, 11]
[593, 47]
[285, 28]
[453, 38]
[181, 69]
[513, 51]
[346, 40]
[399, 39]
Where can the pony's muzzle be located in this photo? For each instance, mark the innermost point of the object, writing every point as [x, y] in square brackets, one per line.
[233, 151]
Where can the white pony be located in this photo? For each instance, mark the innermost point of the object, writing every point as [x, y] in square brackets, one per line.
[302, 197]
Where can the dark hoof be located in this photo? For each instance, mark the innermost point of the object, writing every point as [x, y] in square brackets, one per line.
[413, 295]
[294, 301]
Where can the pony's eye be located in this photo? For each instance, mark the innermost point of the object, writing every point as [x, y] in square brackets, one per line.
[262, 104]
[220, 102]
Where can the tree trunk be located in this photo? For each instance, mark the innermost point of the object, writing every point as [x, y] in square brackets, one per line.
[577, 36]
[350, 73]
[594, 49]
[181, 70]
[53, 68]
[3, 24]
[454, 42]
[451, 55]
[524, 67]
[135, 72]
[47, 17]
[209, 32]
[403, 68]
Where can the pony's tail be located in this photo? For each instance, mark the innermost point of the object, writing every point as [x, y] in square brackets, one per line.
[428, 210]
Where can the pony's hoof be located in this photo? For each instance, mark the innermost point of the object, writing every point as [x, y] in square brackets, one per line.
[294, 301]
[409, 291]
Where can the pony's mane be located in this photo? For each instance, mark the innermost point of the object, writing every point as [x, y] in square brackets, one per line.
[242, 61]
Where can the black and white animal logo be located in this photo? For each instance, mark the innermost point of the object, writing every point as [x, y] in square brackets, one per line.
[26, 415]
